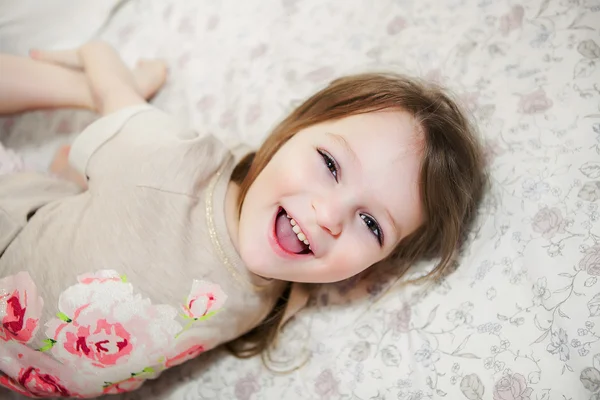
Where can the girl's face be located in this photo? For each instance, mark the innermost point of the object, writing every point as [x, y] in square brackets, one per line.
[335, 199]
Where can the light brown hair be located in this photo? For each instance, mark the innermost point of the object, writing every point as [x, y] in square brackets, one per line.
[452, 177]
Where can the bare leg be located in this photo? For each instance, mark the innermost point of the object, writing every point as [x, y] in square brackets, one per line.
[111, 83]
[27, 84]
[66, 58]
[148, 76]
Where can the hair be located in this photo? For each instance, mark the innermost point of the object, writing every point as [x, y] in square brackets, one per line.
[452, 174]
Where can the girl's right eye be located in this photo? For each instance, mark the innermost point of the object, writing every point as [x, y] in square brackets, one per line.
[330, 163]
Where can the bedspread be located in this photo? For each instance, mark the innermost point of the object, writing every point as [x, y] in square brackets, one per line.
[519, 317]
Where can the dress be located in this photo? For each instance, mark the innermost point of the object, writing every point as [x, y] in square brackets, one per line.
[103, 289]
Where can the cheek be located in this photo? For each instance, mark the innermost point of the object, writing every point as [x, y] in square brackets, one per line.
[351, 260]
[293, 174]
[250, 248]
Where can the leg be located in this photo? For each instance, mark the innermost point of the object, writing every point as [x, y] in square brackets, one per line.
[148, 75]
[26, 84]
[111, 83]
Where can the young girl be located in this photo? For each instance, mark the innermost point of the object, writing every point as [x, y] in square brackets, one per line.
[160, 243]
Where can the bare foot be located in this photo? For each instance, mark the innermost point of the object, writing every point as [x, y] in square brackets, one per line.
[61, 168]
[148, 75]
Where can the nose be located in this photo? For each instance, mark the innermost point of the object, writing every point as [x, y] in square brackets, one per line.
[329, 214]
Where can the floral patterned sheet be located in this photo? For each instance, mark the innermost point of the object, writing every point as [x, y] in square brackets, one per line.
[519, 318]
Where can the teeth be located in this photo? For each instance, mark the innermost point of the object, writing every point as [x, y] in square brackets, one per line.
[298, 231]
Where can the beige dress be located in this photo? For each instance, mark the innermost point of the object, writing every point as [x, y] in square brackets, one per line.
[102, 289]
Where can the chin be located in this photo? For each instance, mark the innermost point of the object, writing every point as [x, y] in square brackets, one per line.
[254, 259]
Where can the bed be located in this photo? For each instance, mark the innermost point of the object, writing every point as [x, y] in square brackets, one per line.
[518, 318]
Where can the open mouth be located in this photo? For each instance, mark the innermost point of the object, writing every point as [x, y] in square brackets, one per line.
[289, 235]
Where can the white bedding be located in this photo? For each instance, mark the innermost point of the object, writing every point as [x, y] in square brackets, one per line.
[519, 319]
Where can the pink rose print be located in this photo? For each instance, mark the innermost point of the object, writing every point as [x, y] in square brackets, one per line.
[326, 384]
[513, 20]
[10, 384]
[36, 374]
[131, 383]
[591, 261]
[33, 383]
[246, 387]
[549, 222]
[40, 384]
[400, 320]
[189, 344]
[192, 352]
[212, 23]
[535, 102]
[102, 342]
[103, 324]
[128, 385]
[434, 75]
[512, 387]
[320, 74]
[204, 298]
[492, 150]
[101, 276]
[20, 308]
[396, 25]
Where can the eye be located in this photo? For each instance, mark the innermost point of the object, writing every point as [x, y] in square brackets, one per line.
[330, 163]
[373, 226]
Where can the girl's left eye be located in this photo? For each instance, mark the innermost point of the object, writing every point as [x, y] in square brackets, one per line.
[373, 226]
[330, 164]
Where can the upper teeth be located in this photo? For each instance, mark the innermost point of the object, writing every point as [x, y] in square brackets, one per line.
[298, 231]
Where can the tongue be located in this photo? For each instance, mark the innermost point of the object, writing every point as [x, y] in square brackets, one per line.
[286, 236]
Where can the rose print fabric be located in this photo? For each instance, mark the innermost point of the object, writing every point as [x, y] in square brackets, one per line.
[519, 318]
[69, 327]
[101, 326]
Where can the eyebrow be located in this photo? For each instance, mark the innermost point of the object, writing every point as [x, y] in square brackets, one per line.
[344, 145]
[350, 152]
[394, 224]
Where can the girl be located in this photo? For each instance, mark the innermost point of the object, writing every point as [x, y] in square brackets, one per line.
[164, 243]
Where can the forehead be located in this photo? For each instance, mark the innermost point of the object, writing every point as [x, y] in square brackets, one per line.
[388, 147]
[395, 133]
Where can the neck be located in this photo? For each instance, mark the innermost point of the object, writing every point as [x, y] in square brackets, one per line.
[231, 212]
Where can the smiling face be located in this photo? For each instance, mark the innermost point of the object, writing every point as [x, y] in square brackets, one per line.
[334, 199]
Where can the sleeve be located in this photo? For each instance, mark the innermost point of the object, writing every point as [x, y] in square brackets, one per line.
[98, 133]
[132, 146]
